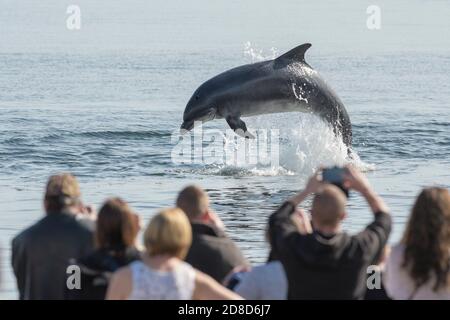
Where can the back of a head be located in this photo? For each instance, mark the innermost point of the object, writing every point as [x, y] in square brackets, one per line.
[427, 237]
[62, 191]
[168, 233]
[194, 201]
[328, 207]
[117, 225]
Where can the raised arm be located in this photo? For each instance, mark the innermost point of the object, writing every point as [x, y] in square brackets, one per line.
[281, 223]
[355, 180]
[375, 236]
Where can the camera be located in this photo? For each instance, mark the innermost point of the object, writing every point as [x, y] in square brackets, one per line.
[335, 175]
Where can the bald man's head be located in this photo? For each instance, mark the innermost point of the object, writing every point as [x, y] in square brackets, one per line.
[328, 207]
[193, 201]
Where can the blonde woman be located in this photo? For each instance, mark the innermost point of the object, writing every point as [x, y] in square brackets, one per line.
[162, 274]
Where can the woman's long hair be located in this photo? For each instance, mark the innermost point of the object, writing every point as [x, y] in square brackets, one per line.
[427, 239]
[117, 226]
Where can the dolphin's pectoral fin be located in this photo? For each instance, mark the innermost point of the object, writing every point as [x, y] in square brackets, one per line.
[239, 127]
[244, 134]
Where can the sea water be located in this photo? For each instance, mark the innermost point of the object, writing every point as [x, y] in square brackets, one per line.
[103, 101]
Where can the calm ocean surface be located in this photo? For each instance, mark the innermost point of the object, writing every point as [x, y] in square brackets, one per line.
[103, 101]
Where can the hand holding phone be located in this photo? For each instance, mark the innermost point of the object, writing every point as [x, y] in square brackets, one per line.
[336, 175]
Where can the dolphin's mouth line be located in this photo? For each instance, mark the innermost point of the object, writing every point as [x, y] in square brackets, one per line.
[208, 116]
[187, 125]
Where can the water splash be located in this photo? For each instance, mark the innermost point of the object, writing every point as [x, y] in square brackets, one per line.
[306, 143]
[257, 55]
[235, 171]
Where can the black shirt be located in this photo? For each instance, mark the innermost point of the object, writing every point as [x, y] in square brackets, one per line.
[212, 252]
[96, 271]
[326, 267]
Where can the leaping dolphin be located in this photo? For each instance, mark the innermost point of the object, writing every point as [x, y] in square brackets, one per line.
[285, 84]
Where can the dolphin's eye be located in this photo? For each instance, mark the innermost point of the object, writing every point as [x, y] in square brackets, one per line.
[197, 97]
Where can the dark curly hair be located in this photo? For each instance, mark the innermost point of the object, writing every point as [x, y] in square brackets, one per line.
[427, 238]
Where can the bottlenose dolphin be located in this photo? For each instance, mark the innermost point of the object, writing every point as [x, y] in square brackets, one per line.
[285, 84]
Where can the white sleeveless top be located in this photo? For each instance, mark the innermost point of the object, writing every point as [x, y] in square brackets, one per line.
[151, 284]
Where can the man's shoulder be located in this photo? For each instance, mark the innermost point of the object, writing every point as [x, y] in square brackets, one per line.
[82, 228]
[205, 233]
[381, 225]
[29, 231]
[72, 221]
[86, 224]
[54, 225]
[213, 240]
[214, 245]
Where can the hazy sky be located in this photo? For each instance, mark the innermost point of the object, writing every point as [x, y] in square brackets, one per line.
[198, 25]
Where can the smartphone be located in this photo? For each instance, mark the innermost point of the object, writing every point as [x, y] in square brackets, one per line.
[235, 280]
[335, 175]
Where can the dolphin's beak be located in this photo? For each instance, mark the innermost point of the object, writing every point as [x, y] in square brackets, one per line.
[186, 126]
[206, 115]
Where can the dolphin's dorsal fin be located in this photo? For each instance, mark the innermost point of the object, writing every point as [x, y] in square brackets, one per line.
[296, 54]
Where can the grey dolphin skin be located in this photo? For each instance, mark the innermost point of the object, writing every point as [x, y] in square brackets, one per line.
[285, 84]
